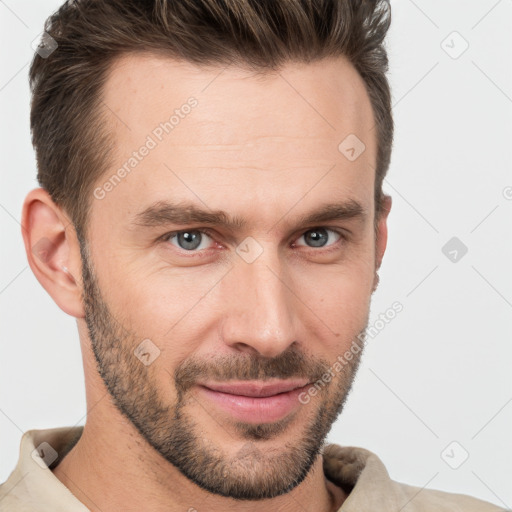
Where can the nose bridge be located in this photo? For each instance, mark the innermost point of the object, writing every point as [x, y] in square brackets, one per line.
[259, 313]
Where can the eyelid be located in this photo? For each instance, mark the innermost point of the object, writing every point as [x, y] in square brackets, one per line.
[170, 234]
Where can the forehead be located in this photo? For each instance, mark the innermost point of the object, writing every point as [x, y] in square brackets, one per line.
[282, 128]
[145, 88]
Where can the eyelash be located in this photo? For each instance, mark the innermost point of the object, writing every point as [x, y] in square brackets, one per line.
[334, 246]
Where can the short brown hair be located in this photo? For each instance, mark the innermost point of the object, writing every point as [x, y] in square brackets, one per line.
[69, 129]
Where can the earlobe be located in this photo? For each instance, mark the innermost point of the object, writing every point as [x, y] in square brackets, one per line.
[52, 250]
[376, 281]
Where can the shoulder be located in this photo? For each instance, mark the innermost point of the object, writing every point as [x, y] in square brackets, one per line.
[417, 499]
[363, 476]
[9, 500]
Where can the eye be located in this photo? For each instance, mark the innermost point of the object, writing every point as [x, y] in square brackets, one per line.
[319, 237]
[189, 240]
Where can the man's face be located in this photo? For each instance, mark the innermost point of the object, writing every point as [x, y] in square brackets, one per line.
[270, 284]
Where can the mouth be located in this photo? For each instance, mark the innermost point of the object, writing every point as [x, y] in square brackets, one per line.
[255, 401]
[256, 389]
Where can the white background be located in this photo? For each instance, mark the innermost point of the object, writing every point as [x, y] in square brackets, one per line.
[441, 370]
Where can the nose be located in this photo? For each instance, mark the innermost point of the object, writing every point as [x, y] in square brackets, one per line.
[258, 316]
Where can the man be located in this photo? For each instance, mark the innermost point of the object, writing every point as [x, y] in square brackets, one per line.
[212, 214]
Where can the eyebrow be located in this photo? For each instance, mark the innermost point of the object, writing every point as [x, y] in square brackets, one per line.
[162, 213]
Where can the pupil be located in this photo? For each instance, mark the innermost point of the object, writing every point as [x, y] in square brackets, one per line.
[189, 240]
[317, 237]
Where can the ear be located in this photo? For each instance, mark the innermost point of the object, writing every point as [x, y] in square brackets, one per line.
[53, 251]
[381, 238]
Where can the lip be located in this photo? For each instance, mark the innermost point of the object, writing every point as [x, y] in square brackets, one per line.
[257, 389]
[253, 401]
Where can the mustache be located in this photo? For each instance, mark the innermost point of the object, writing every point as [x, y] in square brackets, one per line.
[290, 364]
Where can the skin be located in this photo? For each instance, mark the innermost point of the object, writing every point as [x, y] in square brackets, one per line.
[268, 154]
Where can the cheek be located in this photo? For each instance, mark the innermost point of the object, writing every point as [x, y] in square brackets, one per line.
[157, 294]
[340, 299]
[171, 307]
[337, 299]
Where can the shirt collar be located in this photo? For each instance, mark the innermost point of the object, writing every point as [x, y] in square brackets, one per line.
[32, 481]
[363, 476]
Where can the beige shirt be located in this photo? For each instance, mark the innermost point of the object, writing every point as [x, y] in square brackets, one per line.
[33, 487]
